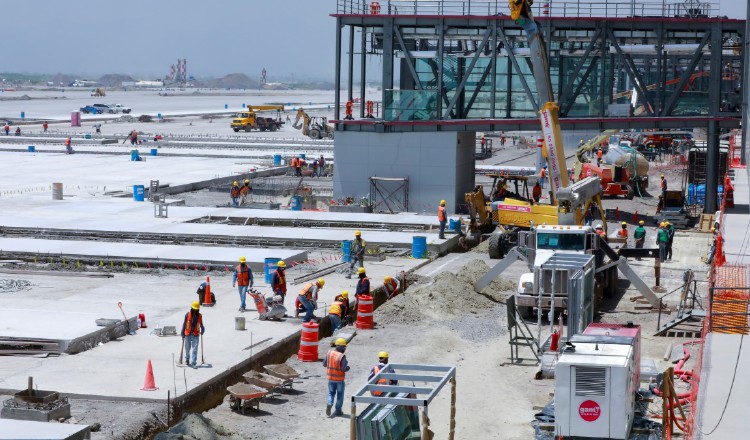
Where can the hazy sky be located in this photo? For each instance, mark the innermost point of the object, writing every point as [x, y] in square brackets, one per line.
[143, 37]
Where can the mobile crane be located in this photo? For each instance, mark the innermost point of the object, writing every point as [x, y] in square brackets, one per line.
[247, 119]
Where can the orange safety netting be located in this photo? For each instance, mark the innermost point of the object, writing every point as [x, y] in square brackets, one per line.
[729, 309]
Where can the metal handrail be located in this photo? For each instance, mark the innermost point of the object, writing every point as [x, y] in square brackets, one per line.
[567, 8]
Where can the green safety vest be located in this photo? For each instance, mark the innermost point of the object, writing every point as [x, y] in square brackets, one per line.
[662, 237]
[639, 233]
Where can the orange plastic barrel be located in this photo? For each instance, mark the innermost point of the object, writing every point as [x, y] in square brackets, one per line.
[308, 344]
[364, 312]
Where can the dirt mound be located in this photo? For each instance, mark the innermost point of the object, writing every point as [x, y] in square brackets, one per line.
[196, 427]
[448, 296]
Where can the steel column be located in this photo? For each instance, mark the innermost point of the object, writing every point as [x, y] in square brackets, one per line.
[494, 70]
[745, 88]
[460, 87]
[567, 94]
[362, 72]
[350, 82]
[517, 67]
[387, 60]
[712, 144]
[337, 73]
[441, 48]
[697, 56]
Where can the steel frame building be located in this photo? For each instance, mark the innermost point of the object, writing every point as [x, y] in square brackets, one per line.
[463, 66]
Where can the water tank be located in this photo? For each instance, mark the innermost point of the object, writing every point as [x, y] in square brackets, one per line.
[623, 156]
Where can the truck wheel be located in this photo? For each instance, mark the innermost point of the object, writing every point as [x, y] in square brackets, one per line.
[236, 129]
[247, 129]
[330, 135]
[274, 127]
[314, 134]
[526, 312]
[495, 248]
[631, 193]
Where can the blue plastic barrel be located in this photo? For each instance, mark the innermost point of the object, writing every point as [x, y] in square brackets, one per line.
[158, 116]
[276, 160]
[134, 155]
[154, 151]
[23, 115]
[302, 156]
[419, 246]
[346, 251]
[226, 106]
[87, 136]
[31, 148]
[269, 267]
[297, 203]
[138, 193]
[454, 225]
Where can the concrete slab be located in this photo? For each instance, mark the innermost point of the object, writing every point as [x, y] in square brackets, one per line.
[116, 369]
[719, 379]
[25, 430]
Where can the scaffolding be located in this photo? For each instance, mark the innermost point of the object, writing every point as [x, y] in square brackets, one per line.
[389, 194]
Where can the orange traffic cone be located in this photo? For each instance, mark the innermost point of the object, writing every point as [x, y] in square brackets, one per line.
[635, 217]
[617, 213]
[207, 298]
[148, 384]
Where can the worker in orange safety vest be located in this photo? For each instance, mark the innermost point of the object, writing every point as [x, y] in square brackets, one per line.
[390, 286]
[442, 218]
[278, 283]
[336, 367]
[192, 329]
[382, 365]
[623, 233]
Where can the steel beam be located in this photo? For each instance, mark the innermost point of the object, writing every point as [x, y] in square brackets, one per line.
[632, 71]
[440, 54]
[493, 62]
[460, 88]
[581, 83]
[387, 60]
[337, 73]
[697, 56]
[714, 103]
[362, 72]
[573, 74]
[517, 68]
[409, 62]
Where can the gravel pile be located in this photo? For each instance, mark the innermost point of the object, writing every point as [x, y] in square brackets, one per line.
[196, 427]
[10, 286]
[481, 325]
[446, 297]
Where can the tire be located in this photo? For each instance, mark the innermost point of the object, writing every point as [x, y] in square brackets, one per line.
[631, 193]
[234, 403]
[495, 248]
[127, 112]
[314, 134]
[526, 312]
[248, 129]
[330, 135]
[274, 127]
[236, 129]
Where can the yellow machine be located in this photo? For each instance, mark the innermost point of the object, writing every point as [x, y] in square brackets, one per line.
[247, 119]
[98, 92]
[313, 126]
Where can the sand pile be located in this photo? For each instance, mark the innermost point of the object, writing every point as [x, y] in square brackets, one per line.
[447, 296]
[196, 427]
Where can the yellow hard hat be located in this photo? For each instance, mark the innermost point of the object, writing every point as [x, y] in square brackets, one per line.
[247, 180]
[345, 294]
[196, 305]
[387, 278]
[321, 282]
[442, 202]
[281, 263]
[624, 223]
[243, 259]
[663, 224]
[357, 233]
[713, 229]
[340, 342]
[662, 176]
[360, 270]
[383, 355]
[641, 223]
[236, 183]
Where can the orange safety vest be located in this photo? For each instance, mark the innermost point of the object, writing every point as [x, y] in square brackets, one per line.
[623, 233]
[235, 192]
[601, 232]
[189, 324]
[307, 291]
[245, 190]
[335, 371]
[664, 184]
[542, 173]
[67, 142]
[599, 154]
[391, 285]
[379, 382]
[536, 191]
[282, 282]
[335, 309]
[243, 276]
[441, 213]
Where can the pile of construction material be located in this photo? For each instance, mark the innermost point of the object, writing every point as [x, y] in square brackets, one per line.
[196, 427]
[10, 286]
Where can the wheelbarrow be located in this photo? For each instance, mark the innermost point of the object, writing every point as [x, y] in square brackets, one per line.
[270, 383]
[243, 395]
[282, 371]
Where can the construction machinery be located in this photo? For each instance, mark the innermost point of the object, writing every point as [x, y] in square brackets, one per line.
[315, 127]
[98, 93]
[247, 119]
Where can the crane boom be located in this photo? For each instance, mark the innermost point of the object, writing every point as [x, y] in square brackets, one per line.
[554, 152]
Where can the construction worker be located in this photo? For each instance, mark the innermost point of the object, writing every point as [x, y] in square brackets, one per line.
[536, 192]
[336, 368]
[357, 253]
[390, 286]
[278, 284]
[660, 204]
[623, 233]
[293, 165]
[7, 129]
[18, 131]
[338, 310]
[588, 217]
[542, 176]
[315, 168]
[244, 192]
[600, 230]
[45, 126]
[599, 154]
[243, 278]
[661, 239]
[202, 293]
[640, 236]
[712, 251]
[133, 137]
[363, 284]
[234, 193]
[307, 297]
[670, 239]
[68, 145]
[321, 166]
[382, 365]
[442, 219]
[663, 187]
[501, 192]
[192, 329]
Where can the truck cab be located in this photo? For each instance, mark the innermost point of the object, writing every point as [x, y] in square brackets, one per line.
[248, 119]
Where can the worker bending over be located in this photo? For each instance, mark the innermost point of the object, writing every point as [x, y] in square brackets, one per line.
[192, 329]
[339, 310]
[336, 368]
[307, 298]
[390, 286]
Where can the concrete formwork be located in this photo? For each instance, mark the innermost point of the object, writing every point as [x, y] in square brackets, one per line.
[438, 165]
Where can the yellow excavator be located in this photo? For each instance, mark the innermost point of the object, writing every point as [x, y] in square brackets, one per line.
[247, 120]
[313, 126]
[568, 203]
